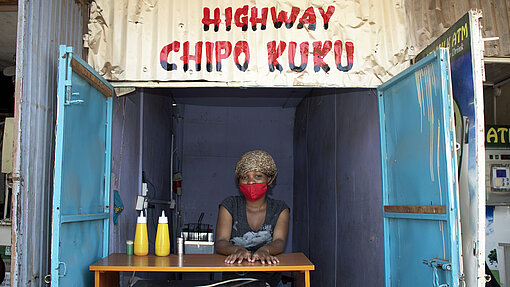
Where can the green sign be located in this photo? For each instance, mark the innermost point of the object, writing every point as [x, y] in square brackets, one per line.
[497, 136]
[456, 38]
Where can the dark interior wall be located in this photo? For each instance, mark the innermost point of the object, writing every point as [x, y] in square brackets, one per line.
[337, 199]
[125, 163]
[154, 130]
[7, 103]
[502, 102]
[215, 137]
[157, 133]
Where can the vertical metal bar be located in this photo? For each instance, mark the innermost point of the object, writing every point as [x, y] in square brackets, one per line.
[17, 242]
[477, 47]
[172, 169]
[140, 148]
[336, 190]
[63, 63]
[452, 210]
[107, 175]
[384, 177]
[6, 198]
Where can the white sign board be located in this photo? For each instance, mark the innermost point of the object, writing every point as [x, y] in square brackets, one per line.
[252, 43]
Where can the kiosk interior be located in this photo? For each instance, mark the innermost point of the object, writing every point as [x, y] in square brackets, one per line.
[324, 141]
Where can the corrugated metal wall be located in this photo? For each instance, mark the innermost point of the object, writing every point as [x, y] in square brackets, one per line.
[431, 18]
[126, 38]
[42, 26]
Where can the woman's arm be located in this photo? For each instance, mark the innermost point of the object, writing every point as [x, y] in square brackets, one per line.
[222, 242]
[266, 253]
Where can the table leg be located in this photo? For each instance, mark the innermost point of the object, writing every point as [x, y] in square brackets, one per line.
[299, 279]
[307, 278]
[106, 279]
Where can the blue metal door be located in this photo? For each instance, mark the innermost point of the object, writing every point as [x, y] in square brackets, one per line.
[420, 193]
[82, 172]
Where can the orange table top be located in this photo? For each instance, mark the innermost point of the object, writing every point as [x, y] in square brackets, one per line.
[197, 263]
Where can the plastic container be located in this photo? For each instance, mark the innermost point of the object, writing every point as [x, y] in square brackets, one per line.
[162, 236]
[129, 247]
[180, 246]
[141, 245]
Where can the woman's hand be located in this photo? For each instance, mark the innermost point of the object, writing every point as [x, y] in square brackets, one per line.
[264, 256]
[240, 254]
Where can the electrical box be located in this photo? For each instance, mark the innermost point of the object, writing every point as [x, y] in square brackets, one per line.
[497, 176]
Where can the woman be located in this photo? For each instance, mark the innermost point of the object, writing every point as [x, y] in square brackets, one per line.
[253, 227]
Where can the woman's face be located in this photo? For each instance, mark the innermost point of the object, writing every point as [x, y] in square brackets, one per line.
[253, 177]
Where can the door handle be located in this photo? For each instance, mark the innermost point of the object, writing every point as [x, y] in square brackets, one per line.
[437, 263]
[64, 269]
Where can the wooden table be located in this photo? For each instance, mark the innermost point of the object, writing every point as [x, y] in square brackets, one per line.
[107, 269]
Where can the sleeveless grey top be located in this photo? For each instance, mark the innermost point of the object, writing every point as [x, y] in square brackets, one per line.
[242, 234]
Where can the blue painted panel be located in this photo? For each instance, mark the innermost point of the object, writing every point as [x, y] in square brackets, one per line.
[82, 176]
[84, 151]
[419, 168]
[407, 254]
[81, 246]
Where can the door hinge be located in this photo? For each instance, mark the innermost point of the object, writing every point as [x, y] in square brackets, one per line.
[14, 178]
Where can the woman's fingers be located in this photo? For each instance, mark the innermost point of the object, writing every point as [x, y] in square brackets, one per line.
[239, 257]
[265, 259]
[270, 260]
[231, 258]
[246, 256]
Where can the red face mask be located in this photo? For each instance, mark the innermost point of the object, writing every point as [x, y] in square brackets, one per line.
[253, 192]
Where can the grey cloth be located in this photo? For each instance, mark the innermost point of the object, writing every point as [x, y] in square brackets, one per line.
[242, 234]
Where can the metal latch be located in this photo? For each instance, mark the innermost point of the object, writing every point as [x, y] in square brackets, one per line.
[62, 271]
[436, 264]
[68, 100]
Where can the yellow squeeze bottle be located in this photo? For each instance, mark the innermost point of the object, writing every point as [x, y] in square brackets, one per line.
[141, 245]
[162, 236]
